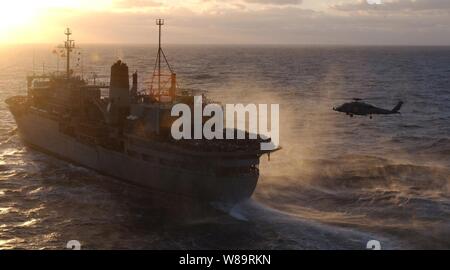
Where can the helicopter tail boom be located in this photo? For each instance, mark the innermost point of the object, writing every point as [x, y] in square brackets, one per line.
[398, 107]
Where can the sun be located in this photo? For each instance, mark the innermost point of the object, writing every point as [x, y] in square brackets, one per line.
[15, 15]
[25, 21]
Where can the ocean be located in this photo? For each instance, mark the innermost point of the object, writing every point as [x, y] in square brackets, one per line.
[338, 182]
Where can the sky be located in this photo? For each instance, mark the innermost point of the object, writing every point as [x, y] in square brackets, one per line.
[344, 22]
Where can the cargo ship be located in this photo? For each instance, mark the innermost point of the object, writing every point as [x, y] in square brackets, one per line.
[126, 133]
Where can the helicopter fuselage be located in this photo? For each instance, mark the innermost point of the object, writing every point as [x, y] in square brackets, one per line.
[364, 109]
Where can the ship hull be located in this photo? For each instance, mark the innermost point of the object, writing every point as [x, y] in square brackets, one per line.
[43, 134]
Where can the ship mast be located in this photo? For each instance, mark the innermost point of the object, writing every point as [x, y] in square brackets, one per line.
[69, 45]
[160, 23]
[158, 69]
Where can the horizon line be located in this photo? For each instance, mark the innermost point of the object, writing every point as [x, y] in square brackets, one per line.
[232, 44]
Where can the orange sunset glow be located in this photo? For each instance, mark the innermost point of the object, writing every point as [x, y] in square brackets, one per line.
[230, 22]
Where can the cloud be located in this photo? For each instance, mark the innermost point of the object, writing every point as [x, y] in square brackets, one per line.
[271, 25]
[396, 5]
[130, 4]
[275, 2]
[222, 22]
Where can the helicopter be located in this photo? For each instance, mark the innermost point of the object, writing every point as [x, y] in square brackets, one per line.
[358, 107]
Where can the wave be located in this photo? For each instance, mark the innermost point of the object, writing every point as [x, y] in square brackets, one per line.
[423, 144]
[300, 232]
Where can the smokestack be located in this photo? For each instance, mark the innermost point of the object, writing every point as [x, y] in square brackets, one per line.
[119, 93]
[119, 86]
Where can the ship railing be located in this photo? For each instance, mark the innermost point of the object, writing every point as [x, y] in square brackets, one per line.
[46, 75]
[191, 91]
[197, 92]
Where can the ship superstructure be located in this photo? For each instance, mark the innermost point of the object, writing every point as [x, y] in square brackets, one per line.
[126, 135]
